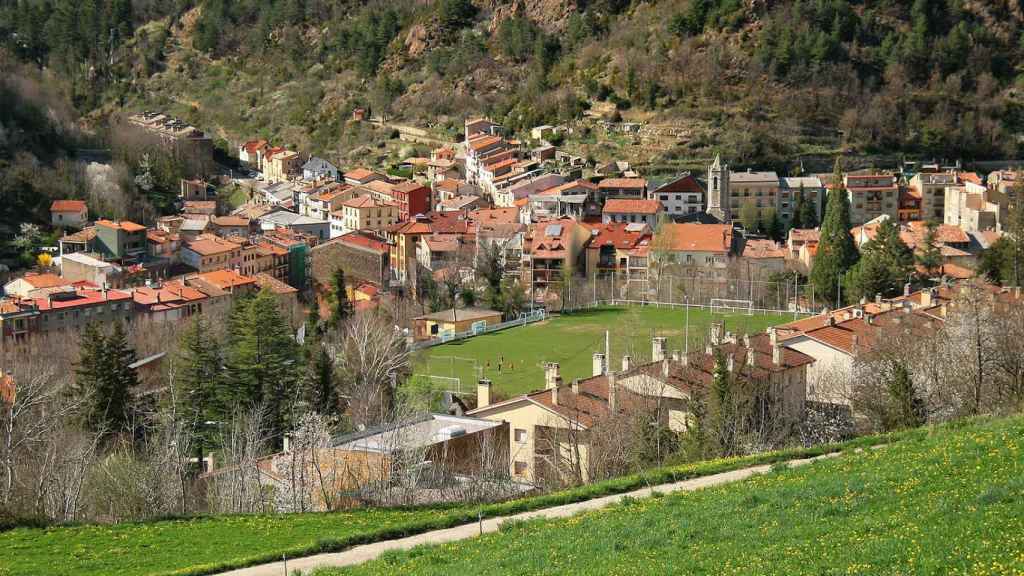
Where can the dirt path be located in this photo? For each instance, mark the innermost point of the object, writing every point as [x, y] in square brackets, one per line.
[367, 552]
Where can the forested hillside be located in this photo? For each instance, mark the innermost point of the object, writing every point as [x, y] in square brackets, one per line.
[762, 80]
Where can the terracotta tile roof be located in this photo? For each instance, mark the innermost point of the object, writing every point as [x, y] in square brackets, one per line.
[46, 280]
[631, 206]
[207, 245]
[699, 237]
[81, 297]
[254, 145]
[362, 240]
[450, 185]
[67, 206]
[804, 234]
[495, 216]
[620, 235]
[225, 279]
[365, 202]
[759, 249]
[686, 183]
[83, 235]
[264, 280]
[477, 144]
[359, 174]
[622, 183]
[230, 221]
[443, 242]
[122, 225]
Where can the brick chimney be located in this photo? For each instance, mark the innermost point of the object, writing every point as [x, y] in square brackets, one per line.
[658, 348]
[598, 367]
[627, 363]
[483, 393]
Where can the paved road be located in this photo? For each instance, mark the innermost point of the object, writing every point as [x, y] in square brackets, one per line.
[367, 552]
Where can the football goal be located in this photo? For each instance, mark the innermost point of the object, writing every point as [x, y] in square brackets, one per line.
[440, 383]
[726, 306]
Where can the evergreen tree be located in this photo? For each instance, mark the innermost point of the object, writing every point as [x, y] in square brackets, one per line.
[342, 305]
[886, 263]
[908, 410]
[836, 250]
[321, 394]
[721, 410]
[199, 377]
[797, 221]
[809, 214]
[262, 360]
[929, 257]
[105, 378]
[776, 229]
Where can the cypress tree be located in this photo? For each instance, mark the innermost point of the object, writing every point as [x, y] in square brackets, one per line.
[342, 305]
[929, 256]
[908, 410]
[836, 250]
[797, 221]
[721, 409]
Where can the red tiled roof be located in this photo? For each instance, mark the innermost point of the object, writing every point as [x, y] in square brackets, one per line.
[631, 206]
[362, 240]
[359, 173]
[46, 280]
[616, 234]
[253, 145]
[224, 279]
[230, 221]
[699, 237]
[477, 144]
[622, 183]
[264, 280]
[758, 249]
[67, 206]
[125, 225]
[210, 245]
[82, 297]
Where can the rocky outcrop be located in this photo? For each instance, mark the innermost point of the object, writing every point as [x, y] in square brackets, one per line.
[550, 15]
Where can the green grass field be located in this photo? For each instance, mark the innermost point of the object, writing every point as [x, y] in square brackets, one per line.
[950, 503]
[208, 545]
[571, 340]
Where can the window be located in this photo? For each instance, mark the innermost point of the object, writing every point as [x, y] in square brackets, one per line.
[679, 197]
[519, 468]
[520, 436]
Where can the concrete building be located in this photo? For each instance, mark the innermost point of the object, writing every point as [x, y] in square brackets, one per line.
[69, 213]
[871, 196]
[681, 196]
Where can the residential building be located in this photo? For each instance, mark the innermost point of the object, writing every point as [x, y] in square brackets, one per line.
[208, 253]
[364, 256]
[507, 196]
[73, 308]
[872, 195]
[450, 322]
[973, 208]
[909, 208]
[621, 251]
[541, 449]
[18, 322]
[404, 237]
[317, 168]
[320, 229]
[790, 189]
[198, 209]
[681, 195]
[796, 238]
[33, 282]
[461, 204]
[931, 188]
[252, 152]
[120, 240]
[642, 211]
[184, 140]
[507, 239]
[362, 176]
[363, 213]
[299, 259]
[411, 197]
[163, 244]
[280, 165]
[729, 191]
[763, 257]
[81, 241]
[69, 213]
[436, 252]
[552, 249]
[323, 200]
[632, 188]
[81, 267]
[167, 302]
[452, 187]
[577, 199]
[952, 241]
[230, 226]
[704, 248]
[227, 280]
[197, 189]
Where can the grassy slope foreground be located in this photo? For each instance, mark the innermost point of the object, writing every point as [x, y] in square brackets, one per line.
[571, 340]
[950, 503]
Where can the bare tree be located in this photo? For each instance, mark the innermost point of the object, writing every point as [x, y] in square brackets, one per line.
[238, 487]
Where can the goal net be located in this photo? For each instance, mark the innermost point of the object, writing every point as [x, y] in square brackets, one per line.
[726, 306]
[439, 383]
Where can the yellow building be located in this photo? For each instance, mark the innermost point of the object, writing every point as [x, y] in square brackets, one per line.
[453, 322]
[279, 166]
[366, 213]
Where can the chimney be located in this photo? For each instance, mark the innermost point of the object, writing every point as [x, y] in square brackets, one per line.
[612, 392]
[856, 344]
[627, 363]
[677, 355]
[552, 375]
[716, 333]
[576, 386]
[906, 289]
[730, 364]
[830, 320]
[483, 393]
[773, 337]
[658, 348]
[926, 298]
[598, 368]
[878, 298]
[746, 340]
[750, 357]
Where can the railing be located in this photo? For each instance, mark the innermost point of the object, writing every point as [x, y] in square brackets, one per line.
[522, 320]
[682, 305]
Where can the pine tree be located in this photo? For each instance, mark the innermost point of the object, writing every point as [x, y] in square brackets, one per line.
[89, 374]
[929, 256]
[886, 263]
[836, 250]
[123, 378]
[342, 305]
[908, 410]
[321, 394]
[105, 378]
[262, 360]
[199, 376]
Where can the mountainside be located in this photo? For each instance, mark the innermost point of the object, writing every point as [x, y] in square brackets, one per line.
[760, 80]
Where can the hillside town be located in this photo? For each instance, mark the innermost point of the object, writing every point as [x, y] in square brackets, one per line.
[492, 232]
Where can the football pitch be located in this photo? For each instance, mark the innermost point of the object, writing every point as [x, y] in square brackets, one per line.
[513, 359]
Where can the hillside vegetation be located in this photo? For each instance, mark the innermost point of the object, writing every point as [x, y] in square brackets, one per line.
[950, 503]
[760, 81]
